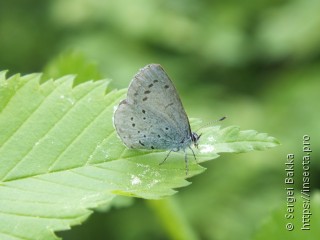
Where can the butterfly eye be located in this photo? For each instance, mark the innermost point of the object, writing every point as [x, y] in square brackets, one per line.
[195, 138]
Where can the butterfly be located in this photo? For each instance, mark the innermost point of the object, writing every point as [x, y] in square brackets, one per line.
[152, 116]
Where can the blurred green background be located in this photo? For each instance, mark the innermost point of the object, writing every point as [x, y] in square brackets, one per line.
[256, 62]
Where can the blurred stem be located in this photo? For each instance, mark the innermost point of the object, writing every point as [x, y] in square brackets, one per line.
[171, 216]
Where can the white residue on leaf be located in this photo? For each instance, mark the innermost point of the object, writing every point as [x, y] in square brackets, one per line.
[206, 148]
[140, 165]
[69, 99]
[135, 180]
[211, 139]
[152, 183]
[147, 172]
[100, 150]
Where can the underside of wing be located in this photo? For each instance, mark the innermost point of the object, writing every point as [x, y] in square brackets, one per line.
[152, 116]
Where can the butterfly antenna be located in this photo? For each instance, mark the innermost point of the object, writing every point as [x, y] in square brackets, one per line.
[211, 123]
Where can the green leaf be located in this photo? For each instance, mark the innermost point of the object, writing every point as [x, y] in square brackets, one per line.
[231, 139]
[71, 62]
[60, 155]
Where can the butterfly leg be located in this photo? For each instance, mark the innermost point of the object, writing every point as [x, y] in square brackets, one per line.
[166, 157]
[193, 155]
[186, 161]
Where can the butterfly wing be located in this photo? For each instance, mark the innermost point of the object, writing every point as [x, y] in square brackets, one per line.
[152, 115]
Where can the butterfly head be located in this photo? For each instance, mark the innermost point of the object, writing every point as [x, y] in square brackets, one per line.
[195, 138]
